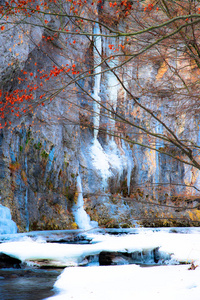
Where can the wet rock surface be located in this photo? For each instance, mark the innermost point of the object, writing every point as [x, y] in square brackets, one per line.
[7, 261]
[139, 257]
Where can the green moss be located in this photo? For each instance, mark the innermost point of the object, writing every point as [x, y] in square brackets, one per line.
[69, 194]
[76, 197]
[108, 223]
[44, 154]
[140, 192]
[20, 148]
[38, 146]
[114, 199]
[125, 226]
[28, 136]
[123, 188]
[49, 184]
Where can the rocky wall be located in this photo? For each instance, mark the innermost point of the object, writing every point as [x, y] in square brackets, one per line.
[42, 153]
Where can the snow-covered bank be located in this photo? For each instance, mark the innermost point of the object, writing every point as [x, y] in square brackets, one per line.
[167, 280]
[132, 281]
[173, 248]
[128, 282]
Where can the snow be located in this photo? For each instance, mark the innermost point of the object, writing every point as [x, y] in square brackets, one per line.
[183, 247]
[128, 282]
[170, 281]
[112, 157]
[115, 158]
[132, 281]
[100, 160]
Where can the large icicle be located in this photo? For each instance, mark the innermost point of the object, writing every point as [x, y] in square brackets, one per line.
[97, 50]
[159, 143]
[112, 85]
[80, 215]
[26, 199]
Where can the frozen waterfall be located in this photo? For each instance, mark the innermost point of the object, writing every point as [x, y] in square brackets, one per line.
[7, 226]
[97, 50]
[81, 217]
[112, 86]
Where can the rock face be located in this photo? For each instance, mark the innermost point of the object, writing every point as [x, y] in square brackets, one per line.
[43, 152]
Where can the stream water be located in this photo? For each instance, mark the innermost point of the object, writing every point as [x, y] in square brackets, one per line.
[96, 263]
[25, 285]
[102, 264]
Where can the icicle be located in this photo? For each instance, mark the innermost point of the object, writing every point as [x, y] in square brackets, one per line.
[26, 199]
[7, 226]
[97, 79]
[129, 162]
[80, 215]
[159, 143]
[112, 97]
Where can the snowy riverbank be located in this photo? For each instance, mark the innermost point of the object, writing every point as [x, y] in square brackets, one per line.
[162, 250]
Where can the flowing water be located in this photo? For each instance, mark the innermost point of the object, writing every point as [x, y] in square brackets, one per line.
[110, 258]
[98, 257]
[27, 285]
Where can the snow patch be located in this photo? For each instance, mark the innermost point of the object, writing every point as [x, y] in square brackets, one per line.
[111, 157]
[100, 160]
[128, 282]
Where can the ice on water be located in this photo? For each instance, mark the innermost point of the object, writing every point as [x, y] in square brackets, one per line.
[170, 281]
[130, 282]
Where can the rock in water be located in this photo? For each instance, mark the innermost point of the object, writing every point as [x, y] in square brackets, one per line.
[7, 261]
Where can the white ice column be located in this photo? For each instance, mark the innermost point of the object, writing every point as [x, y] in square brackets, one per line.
[81, 217]
[7, 226]
[159, 143]
[112, 88]
[97, 50]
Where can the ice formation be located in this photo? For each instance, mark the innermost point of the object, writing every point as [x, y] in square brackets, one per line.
[97, 49]
[110, 158]
[7, 226]
[112, 86]
[182, 247]
[81, 217]
[170, 281]
[100, 161]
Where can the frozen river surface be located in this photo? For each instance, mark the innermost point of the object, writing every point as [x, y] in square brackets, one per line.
[172, 257]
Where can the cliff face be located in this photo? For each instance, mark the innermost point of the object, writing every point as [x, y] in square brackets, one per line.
[43, 152]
